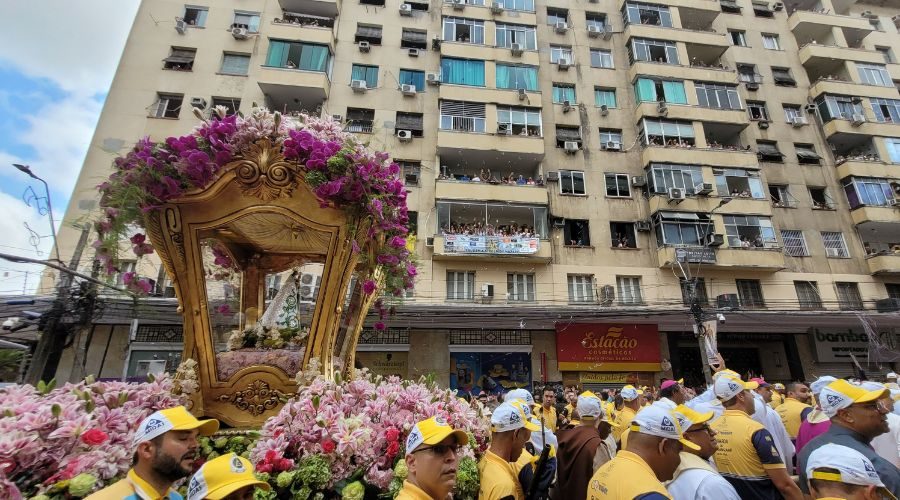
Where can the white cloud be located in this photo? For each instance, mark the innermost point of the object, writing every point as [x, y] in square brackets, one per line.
[16, 241]
[75, 44]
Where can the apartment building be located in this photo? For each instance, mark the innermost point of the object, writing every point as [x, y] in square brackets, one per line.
[579, 172]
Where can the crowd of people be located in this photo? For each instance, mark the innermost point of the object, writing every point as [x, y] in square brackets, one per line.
[490, 178]
[481, 229]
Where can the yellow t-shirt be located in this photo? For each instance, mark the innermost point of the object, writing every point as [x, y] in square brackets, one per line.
[625, 477]
[746, 451]
[623, 420]
[550, 417]
[777, 399]
[132, 487]
[498, 478]
[411, 492]
[791, 413]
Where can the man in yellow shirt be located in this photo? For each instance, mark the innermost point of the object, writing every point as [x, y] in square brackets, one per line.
[795, 408]
[631, 398]
[165, 449]
[777, 395]
[546, 411]
[837, 472]
[431, 457]
[228, 477]
[655, 442]
[510, 430]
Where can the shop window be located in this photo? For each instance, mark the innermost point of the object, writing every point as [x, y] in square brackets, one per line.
[576, 233]
[622, 235]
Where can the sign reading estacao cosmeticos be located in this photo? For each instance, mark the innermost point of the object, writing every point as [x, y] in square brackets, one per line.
[604, 347]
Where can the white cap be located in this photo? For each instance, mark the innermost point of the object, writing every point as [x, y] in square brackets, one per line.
[854, 468]
[508, 417]
[891, 375]
[522, 394]
[588, 406]
[841, 394]
[818, 384]
[549, 437]
[726, 388]
[630, 393]
[657, 420]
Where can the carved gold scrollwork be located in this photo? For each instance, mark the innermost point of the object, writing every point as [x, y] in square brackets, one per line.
[264, 173]
[173, 224]
[256, 399]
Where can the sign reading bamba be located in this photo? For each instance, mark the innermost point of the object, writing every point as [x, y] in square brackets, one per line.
[607, 347]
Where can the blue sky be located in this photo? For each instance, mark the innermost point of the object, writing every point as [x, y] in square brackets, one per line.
[55, 71]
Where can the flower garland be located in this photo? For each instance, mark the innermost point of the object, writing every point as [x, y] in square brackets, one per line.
[267, 337]
[342, 171]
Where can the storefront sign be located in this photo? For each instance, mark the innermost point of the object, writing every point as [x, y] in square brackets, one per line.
[607, 377]
[607, 347]
[385, 363]
[834, 345]
[696, 255]
[495, 372]
[458, 243]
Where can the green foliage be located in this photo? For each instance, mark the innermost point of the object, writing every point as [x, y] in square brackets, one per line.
[467, 482]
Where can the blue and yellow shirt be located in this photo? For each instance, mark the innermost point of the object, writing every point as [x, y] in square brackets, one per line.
[133, 488]
[626, 477]
[746, 451]
[498, 478]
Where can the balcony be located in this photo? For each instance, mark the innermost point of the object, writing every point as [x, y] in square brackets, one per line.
[864, 168]
[503, 97]
[884, 264]
[483, 149]
[693, 113]
[461, 190]
[817, 58]
[708, 7]
[308, 33]
[483, 12]
[756, 259]
[808, 26]
[488, 53]
[841, 87]
[491, 249]
[839, 129]
[325, 8]
[715, 44]
[293, 89]
[872, 216]
[699, 156]
[677, 72]
[705, 204]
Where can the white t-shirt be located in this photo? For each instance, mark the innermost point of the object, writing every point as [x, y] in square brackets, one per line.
[700, 483]
[888, 444]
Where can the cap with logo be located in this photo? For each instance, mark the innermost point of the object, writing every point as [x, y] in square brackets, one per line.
[657, 420]
[873, 386]
[726, 373]
[529, 413]
[509, 417]
[688, 416]
[818, 384]
[669, 383]
[841, 394]
[432, 431]
[630, 393]
[891, 375]
[852, 466]
[778, 385]
[172, 419]
[729, 387]
[222, 476]
[522, 394]
[589, 407]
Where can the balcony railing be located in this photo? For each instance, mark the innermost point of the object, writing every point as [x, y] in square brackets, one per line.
[497, 245]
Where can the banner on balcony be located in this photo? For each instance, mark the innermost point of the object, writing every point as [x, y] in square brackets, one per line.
[459, 243]
[607, 347]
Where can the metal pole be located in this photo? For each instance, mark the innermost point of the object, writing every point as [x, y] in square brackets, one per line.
[52, 222]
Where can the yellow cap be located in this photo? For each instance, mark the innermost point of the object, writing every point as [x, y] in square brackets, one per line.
[840, 394]
[531, 422]
[688, 417]
[172, 419]
[221, 477]
[432, 431]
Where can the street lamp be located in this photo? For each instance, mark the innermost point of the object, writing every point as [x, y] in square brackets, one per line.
[27, 170]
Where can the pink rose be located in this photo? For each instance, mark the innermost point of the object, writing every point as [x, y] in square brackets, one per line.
[328, 446]
[94, 437]
[391, 434]
[393, 449]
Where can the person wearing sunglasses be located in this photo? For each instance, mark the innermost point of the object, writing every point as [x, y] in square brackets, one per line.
[432, 453]
[696, 478]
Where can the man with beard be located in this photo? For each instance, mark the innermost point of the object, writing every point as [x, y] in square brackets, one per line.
[795, 408]
[432, 453]
[696, 478]
[165, 450]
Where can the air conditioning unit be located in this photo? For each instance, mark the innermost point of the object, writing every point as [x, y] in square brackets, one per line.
[571, 147]
[559, 222]
[564, 63]
[752, 86]
[487, 290]
[604, 110]
[728, 302]
[703, 189]
[408, 89]
[777, 6]
[309, 287]
[404, 135]
[799, 121]
[436, 43]
[364, 46]
[337, 118]
[607, 34]
[887, 305]
[561, 27]
[643, 226]
[198, 102]
[612, 146]
[893, 202]
[763, 124]
[552, 176]
[429, 242]
[516, 49]
[594, 31]
[661, 108]
[810, 108]
[459, 4]
[413, 52]
[832, 252]
[857, 119]
[181, 26]
[607, 295]
[522, 95]
[358, 85]
[676, 194]
[638, 181]
[496, 7]
[433, 78]
[714, 240]
[240, 33]
[567, 105]
[405, 9]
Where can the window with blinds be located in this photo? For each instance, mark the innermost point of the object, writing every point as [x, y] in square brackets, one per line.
[235, 64]
[750, 293]
[794, 244]
[782, 76]
[410, 121]
[180, 59]
[567, 134]
[835, 246]
[849, 298]
[520, 287]
[808, 295]
[462, 116]
[807, 154]
[460, 285]
[581, 288]
[414, 39]
[629, 288]
[368, 33]
[768, 151]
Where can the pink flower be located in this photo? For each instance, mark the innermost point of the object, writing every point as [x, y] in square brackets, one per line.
[369, 287]
[138, 239]
[379, 325]
[328, 446]
[393, 448]
[391, 434]
[94, 437]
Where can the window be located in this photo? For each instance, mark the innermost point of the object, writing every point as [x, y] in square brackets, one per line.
[848, 296]
[195, 16]
[596, 20]
[605, 97]
[757, 110]
[516, 77]
[666, 132]
[874, 74]
[762, 9]
[368, 33]
[629, 290]
[893, 149]
[835, 246]
[794, 243]
[557, 16]
[360, 120]
[577, 233]
[463, 30]
[369, 74]
[868, 191]
[372, 2]
[462, 116]
[581, 288]
[642, 13]
[768, 151]
[791, 112]
[820, 199]
[782, 76]
[887, 53]
[807, 154]
[166, 106]
[411, 122]
[125, 266]
[180, 59]
[413, 39]
[738, 38]
[808, 295]
[235, 64]
[610, 136]
[691, 288]
[520, 287]
[841, 107]
[771, 41]
[411, 171]
[664, 176]
[508, 34]
[886, 110]
[566, 134]
[462, 71]
[730, 6]
[571, 182]
[747, 73]
[231, 104]
[642, 49]
[246, 20]
[519, 121]
[651, 90]
[618, 185]
[622, 235]
[564, 92]
[711, 95]
[750, 293]
[413, 77]
[294, 55]
[460, 285]
[601, 59]
[526, 5]
[749, 231]
[413, 224]
[682, 228]
[781, 196]
[738, 183]
[558, 52]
